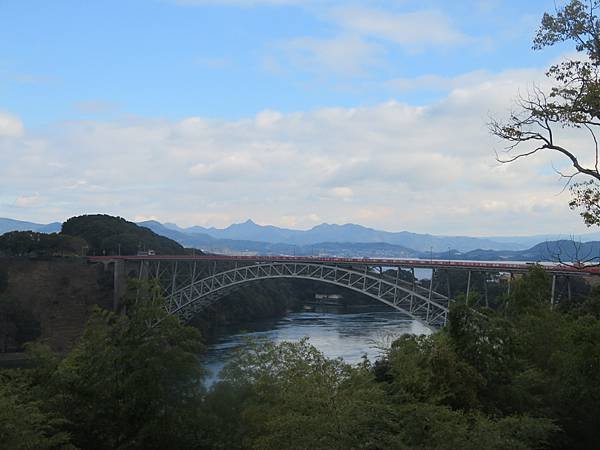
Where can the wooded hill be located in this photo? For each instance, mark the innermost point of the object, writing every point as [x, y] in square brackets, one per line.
[97, 234]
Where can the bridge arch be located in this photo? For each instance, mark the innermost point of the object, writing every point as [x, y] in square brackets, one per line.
[185, 301]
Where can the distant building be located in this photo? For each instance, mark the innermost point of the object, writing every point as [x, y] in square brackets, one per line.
[328, 296]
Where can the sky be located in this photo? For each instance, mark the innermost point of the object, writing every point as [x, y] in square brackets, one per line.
[288, 112]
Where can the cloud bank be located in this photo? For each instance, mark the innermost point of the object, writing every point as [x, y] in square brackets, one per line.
[428, 168]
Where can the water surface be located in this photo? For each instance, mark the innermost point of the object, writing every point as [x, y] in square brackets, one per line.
[336, 332]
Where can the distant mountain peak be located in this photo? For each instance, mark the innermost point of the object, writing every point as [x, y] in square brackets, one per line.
[250, 224]
[148, 222]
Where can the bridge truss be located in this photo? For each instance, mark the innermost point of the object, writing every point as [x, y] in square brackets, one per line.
[191, 285]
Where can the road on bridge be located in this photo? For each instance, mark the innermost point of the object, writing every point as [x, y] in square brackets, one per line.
[552, 268]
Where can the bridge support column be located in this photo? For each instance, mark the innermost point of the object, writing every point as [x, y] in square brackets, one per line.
[414, 288]
[193, 279]
[553, 291]
[431, 283]
[430, 294]
[119, 283]
[485, 289]
[468, 287]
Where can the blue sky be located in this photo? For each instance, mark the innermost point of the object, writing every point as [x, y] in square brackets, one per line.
[66, 60]
[290, 112]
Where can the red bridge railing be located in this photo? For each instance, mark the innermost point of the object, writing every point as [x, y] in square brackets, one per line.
[385, 262]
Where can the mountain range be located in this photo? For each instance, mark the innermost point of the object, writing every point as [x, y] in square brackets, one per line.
[352, 233]
[7, 225]
[355, 240]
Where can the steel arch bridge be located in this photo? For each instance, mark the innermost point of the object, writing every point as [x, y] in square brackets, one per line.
[185, 301]
[189, 283]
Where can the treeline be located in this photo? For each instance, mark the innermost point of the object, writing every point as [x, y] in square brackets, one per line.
[114, 235]
[30, 243]
[522, 376]
[96, 234]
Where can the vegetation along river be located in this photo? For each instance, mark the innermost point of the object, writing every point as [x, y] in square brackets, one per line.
[337, 332]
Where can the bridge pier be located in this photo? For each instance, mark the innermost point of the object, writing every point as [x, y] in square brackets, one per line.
[553, 291]
[119, 283]
[468, 287]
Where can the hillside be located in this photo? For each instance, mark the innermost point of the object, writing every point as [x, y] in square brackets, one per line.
[560, 250]
[114, 235]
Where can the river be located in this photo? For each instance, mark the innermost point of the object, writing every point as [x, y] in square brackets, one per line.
[335, 331]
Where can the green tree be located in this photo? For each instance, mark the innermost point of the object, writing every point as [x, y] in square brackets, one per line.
[18, 324]
[130, 382]
[24, 425]
[30, 243]
[107, 234]
[428, 369]
[572, 102]
[297, 398]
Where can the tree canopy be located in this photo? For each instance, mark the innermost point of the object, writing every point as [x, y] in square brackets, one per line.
[572, 102]
[30, 243]
[112, 235]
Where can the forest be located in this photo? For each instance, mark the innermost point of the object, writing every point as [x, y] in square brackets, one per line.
[522, 375]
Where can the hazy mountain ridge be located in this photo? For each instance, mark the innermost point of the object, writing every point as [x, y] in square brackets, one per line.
[560, 250]
[351, 240]
[346, 233]
[7, 225]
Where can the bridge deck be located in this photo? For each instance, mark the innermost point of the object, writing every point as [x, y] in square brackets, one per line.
[552, 268]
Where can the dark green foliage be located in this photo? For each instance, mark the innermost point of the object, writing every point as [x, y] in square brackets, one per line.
[106, 234]
[3, 279]
[294, 397]
[577, 22]
[24, 425]
[291, 396]
[30, 243]
[127, 384]
[17, 325]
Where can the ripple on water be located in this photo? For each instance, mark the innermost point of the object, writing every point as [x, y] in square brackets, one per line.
[337, 334]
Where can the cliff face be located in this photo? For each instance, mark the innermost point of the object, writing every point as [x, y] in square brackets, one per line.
[59, 292]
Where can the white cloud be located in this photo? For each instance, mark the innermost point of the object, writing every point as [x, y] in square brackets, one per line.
[413, 30]
[268, 118]
[432, 82]
[361, 38]
[95, 106]
[10, 125]
[342, 54]
[393, 166]
[343, 192]
[26, 201]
